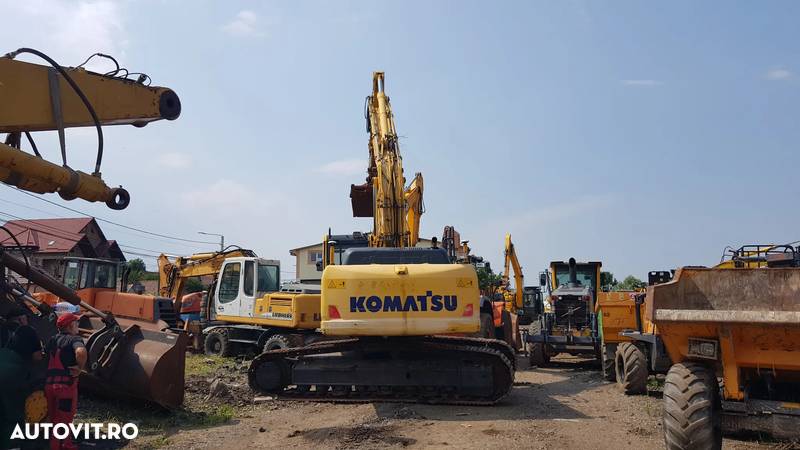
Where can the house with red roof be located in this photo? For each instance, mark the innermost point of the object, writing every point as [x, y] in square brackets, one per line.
[47, 241]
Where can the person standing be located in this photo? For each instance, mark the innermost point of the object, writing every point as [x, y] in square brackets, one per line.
[67, 357]
[19, 349]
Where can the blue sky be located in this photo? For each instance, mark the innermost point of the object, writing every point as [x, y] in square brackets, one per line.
[647, 136]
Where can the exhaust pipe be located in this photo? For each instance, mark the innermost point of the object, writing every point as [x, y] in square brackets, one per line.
[573, 275]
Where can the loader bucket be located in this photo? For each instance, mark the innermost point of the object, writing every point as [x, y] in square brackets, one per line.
[130, 360]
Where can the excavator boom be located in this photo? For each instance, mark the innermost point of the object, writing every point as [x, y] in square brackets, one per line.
[42, 98]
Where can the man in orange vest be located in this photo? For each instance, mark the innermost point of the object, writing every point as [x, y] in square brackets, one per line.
[67, 357]
[190, 306]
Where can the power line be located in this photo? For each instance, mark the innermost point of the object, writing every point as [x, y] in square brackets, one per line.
[143, 249]
[114, 223]
[50, 213]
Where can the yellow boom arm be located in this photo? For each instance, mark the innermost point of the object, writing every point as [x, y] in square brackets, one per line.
[511, 262]
[413, 196]
[41, 98]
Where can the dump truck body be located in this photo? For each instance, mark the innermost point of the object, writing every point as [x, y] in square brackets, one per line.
[742, 325]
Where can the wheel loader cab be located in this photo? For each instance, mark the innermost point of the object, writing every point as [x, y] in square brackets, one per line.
[82, 273]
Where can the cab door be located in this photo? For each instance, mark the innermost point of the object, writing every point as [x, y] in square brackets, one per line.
[248, 298]
[228, 301]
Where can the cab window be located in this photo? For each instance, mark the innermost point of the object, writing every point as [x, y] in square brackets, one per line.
[249, 279]
[229, 285]
[71, 274]
[267, 278]
[105, 276]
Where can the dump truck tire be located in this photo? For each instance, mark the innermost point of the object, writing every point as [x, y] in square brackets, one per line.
[631, 369]
[217, 343]
[538, 356]
[609, 352]
[691, 408]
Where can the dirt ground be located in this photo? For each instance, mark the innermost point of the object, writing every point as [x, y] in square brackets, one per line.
[566, 405]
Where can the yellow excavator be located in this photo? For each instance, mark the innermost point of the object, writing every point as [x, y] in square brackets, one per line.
[127, 358]
[500, 315]
[402, 312]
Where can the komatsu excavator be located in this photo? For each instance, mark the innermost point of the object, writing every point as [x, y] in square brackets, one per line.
[126, 357]
[404, 310]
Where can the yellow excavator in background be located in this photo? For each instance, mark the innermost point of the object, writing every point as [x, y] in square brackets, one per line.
[41, 98]
[393, 303]
[126, 357]
[500, 315]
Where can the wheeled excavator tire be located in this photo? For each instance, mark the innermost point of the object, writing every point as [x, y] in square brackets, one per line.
[217, 343]
[282, 341]
[691, 408]
[631, 369]
[608, 356]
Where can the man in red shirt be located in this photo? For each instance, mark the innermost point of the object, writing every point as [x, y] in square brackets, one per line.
[67, 357]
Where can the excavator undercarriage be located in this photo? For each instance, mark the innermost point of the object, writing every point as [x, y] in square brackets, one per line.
[425, 369]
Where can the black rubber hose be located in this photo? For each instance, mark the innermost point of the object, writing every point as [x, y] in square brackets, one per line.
[78, 91]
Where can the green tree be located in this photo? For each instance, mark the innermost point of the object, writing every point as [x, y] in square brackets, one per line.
[488, 281]
[607, 281]
[193, 285]
[136, 269]
[630, 283]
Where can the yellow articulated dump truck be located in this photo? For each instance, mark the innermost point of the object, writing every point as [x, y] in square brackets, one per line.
[733, 336]
[616, 312]
[632, 348]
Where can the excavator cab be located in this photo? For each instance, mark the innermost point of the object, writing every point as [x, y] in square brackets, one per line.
[532, 305]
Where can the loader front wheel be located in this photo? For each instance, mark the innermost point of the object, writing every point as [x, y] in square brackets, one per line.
[691, 408]
[538, 355]
[631, 369]
[608, 353]
[217, 343]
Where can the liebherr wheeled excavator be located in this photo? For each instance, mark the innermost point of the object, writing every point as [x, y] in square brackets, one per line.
[395, 303]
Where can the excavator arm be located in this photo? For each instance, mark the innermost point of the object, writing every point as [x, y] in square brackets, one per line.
[41, 98]
[413, 197]
[395, 210]
[511, 262]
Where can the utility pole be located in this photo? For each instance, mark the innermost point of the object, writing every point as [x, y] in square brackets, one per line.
[221, 239]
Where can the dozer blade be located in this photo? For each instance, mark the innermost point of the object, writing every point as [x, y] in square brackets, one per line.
[129, 360]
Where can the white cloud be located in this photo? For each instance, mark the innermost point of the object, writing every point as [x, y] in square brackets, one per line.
[244, 25]
[641, 82]
[778, 74]
[343, 167]
[174, 160]
[68, 31]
